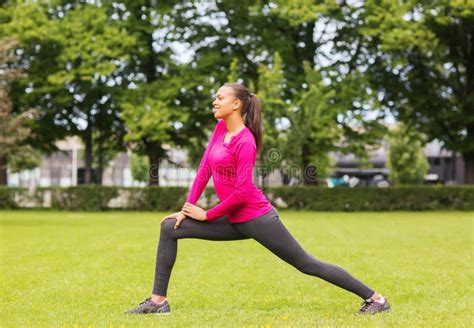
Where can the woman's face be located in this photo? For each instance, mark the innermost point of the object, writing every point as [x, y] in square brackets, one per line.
[225, 103]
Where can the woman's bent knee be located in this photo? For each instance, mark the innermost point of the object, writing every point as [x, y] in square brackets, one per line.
[167, 226]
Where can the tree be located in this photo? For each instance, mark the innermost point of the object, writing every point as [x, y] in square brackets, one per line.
[248, 33]
[148, 125]
[14, 128]
[330, 117]
[419, 62]
[335, 107]
[164, 105]
[36, 50]
[73, 55]
[94, 51]
[406, 161]
[313, 129]
[270, 93]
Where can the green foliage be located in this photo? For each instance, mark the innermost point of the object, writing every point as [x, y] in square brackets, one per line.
[92, 47]
[97, 198]
[82, 198]
[18, 197]
[165, 105]
[406, 161]
[299, 11]
[331, 117]
[324, 166]
[28, 159]
[37, 50]
[408, 198]
[233, 71]
[314, 132]
[412, 59]
[150, 119]
[139, 167]
[422, 63]
[7, 196]
[14, 127]
[157, 198]
[106, 70]
[73, 55]
[270, 93]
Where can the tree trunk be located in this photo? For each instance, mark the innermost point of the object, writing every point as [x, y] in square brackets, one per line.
[469, 106]
[100, 170]
[150, 62]
[152, 151]
[88, 157]
[3, 171]
[309, 174]
[468, 154]
[468, 168]
[284, 177]
[265, 184]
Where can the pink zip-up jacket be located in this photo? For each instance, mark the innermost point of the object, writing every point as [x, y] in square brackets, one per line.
[231, 167]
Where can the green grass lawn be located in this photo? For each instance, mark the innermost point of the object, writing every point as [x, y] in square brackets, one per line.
[66, 269]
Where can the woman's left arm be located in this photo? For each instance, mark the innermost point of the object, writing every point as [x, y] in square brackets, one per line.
[245, 156]
[194, 212]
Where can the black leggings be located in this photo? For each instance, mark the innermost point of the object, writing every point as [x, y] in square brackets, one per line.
[268, 230]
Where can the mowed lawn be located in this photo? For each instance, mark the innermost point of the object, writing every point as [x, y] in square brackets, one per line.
[66, 269]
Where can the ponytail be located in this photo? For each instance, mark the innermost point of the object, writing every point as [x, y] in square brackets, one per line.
[253, 119]
[251, 112]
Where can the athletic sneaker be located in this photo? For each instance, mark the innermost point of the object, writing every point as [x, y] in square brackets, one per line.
[148, 306]
[372, 307]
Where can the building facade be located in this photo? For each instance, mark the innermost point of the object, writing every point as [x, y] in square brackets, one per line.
[66, 168]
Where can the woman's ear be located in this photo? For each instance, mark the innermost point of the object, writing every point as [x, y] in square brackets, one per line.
[236, 104]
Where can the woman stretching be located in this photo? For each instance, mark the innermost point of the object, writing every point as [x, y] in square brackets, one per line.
[243, 212]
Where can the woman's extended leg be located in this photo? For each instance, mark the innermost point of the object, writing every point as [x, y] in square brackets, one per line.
[269, 231]
[219, 229]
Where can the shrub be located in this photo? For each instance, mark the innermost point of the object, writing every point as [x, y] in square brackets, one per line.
[98, 198]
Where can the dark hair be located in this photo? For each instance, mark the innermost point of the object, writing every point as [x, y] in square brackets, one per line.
[250, 111]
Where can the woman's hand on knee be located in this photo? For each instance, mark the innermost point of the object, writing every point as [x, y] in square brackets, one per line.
[172, 216]
[194, 211]
[179, 218]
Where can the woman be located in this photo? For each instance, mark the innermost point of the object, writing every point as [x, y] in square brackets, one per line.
[243, 211]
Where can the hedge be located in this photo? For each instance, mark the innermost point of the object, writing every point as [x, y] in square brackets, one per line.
[99, 198]
[410, 198]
